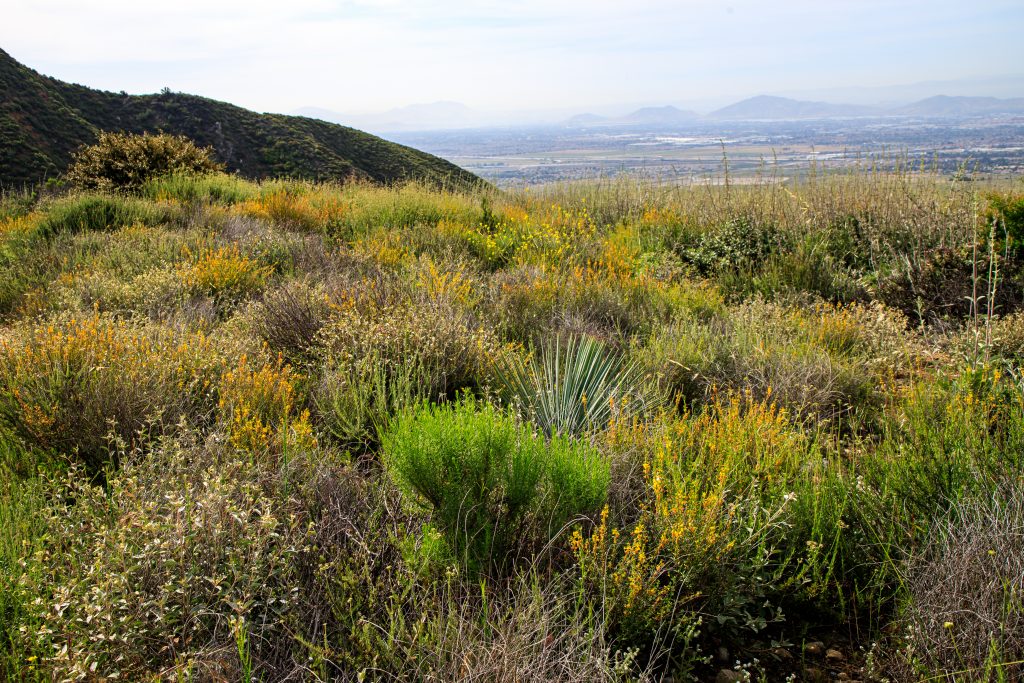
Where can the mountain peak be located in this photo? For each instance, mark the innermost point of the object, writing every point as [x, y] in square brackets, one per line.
[774, 107]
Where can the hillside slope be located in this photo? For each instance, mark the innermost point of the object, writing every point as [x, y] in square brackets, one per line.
[43, 120]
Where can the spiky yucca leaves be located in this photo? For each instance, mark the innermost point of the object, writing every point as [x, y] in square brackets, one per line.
[575, 384]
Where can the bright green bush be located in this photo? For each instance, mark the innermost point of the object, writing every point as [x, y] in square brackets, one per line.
[494, 487]
[125, 161]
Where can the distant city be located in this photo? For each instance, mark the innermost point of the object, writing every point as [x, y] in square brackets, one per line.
[777, 135]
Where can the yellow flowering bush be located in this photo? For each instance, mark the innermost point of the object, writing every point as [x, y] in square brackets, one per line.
[224, 272]
[66, 384]
[260, 407]
[549, 234]
[701, 509]
[304, 209]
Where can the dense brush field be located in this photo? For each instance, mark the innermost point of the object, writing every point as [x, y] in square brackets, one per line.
[607, 431]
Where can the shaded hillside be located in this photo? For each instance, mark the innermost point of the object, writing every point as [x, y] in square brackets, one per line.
[43, 120]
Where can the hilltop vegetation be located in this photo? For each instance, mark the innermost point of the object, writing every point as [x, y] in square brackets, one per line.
[43, 121]
[599, 432]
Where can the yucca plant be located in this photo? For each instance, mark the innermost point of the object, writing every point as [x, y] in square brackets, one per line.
[573, 385]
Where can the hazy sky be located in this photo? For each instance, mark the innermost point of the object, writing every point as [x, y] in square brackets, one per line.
[356, 55]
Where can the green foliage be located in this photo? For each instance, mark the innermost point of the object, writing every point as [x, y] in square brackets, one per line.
[22, 513]
[92, 212]
[495, 488]
[736, 245]
[252, 368]
[198, 188]
[576, 384]
[1007, 214]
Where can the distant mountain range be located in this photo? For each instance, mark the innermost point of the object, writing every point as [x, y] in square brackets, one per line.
[768, 107]
[954, 107]
[647, 116]
[43, 121]
[455, 116]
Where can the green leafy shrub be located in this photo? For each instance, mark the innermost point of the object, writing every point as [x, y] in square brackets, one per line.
[373, 362]
[1006, 212]
[181, 563]
[737, 244]
[125, 161]
[492, 485]
[575, 384]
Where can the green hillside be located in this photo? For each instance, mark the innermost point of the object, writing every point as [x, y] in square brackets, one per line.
[43, 120]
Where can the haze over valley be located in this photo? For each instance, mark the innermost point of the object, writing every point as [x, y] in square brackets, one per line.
[976, 135]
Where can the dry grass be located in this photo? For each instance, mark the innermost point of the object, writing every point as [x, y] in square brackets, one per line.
[965, 616]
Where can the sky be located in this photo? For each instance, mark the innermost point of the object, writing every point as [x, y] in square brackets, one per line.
[365, 56]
